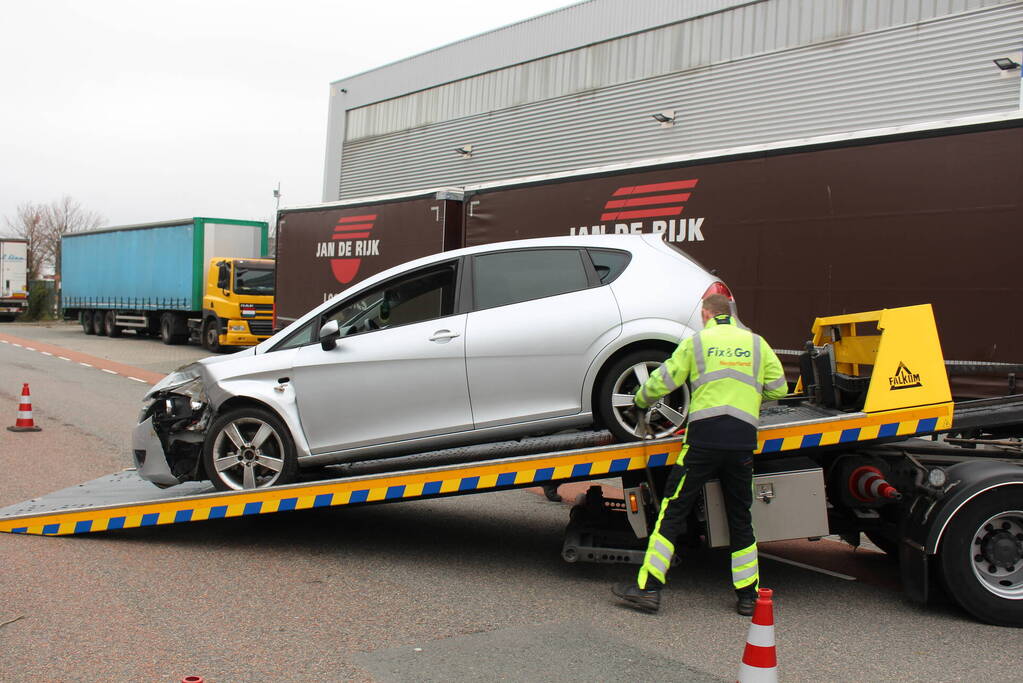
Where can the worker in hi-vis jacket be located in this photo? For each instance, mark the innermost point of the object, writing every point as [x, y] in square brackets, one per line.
[729, 370]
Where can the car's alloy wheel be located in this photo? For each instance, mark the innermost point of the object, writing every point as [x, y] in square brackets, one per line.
[664, 418]
[249, 448]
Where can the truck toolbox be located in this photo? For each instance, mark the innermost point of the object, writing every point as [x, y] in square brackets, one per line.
[788, 502]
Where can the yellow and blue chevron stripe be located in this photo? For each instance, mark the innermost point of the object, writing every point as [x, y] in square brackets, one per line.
[868, 427]
[460, 479]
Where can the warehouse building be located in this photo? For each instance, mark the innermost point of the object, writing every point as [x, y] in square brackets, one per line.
[617, 82]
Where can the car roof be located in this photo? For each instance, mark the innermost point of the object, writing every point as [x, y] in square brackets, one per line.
[628, 242]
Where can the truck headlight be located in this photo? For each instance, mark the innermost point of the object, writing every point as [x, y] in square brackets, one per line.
[239, 328]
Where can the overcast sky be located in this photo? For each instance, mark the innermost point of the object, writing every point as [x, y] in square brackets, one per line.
[149, 111]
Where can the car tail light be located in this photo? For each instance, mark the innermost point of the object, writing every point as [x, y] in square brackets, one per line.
[718, 288]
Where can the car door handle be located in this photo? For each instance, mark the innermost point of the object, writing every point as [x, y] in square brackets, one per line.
[444, 335]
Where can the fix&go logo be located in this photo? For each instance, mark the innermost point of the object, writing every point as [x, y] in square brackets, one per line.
[661, 201]
[349, 243]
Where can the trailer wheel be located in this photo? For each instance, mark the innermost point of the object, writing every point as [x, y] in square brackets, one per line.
[249, 448]
[211, 336]
[85, 317]
[167, 333]
[110, 325]
[99, 323]
[982, 557]
[619, 385]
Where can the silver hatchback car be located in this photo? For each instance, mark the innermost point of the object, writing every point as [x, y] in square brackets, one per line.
[469, 346]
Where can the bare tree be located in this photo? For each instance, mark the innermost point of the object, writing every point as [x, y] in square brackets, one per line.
[28, 223]
[63, 217]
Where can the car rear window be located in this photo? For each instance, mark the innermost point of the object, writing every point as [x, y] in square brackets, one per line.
[513, 276]
[609, 264]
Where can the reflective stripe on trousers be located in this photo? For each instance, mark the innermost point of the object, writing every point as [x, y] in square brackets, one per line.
[659, 550]
[745, 571]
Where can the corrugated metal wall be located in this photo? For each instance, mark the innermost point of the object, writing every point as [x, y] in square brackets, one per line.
[733, 78]
[719, 37]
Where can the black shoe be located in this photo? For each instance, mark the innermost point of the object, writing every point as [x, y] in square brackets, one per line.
[551, 492]
[646, 599]
[745, 604]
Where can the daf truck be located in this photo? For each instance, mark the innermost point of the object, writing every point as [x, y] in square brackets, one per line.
[205, 280]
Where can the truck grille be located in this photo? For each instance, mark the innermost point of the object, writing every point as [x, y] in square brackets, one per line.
[261, 328]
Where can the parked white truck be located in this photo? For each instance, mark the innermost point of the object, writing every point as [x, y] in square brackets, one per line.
[13, 277]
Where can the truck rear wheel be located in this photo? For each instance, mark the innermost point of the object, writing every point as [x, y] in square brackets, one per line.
[168, 330]
[110, 325]
[982, 557]
[99, 323]
[85, 317]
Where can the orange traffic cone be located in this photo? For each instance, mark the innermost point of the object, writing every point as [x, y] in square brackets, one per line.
[24, 422]
[759, 661]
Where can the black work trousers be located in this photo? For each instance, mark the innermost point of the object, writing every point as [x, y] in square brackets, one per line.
[734, 469]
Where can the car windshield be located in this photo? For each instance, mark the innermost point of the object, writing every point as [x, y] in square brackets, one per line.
[251, 278]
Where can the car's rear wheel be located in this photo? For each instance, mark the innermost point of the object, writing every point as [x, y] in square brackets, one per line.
[617, 388]
[249, 448]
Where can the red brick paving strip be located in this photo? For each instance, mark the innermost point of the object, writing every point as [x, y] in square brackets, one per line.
[146, 376]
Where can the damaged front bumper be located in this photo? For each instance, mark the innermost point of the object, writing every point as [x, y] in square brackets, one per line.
[167, 443]
[150, 459]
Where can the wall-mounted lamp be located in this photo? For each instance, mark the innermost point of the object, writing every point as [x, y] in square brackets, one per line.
[1006, 64]
[665, 118]
[465, 151]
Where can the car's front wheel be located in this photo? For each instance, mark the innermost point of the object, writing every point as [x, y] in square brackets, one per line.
[249, 448]
[617, 388]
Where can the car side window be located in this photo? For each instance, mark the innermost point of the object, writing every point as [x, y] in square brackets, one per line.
[608, 263]
[510, 277]
[304, 335]
[415, 297]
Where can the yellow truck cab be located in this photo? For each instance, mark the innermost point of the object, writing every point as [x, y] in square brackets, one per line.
[238, 302]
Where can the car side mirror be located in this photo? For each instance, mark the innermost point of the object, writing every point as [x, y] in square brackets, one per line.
[329, 334]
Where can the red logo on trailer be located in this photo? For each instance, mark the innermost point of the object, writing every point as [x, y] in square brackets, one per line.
[656, 208]
[648, 201]
[346, 232]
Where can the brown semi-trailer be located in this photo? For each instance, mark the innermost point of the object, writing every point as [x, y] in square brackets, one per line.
[928, 213]
[932, 215]
[324, 249]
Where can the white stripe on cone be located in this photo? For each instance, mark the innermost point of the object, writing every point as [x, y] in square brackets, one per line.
[761, 636]
[754, 674]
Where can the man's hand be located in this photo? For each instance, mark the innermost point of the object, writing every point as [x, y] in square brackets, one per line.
[637, 415]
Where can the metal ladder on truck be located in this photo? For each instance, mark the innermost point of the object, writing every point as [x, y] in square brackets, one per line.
[872, 386]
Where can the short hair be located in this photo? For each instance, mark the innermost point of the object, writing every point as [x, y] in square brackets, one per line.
[717, 304]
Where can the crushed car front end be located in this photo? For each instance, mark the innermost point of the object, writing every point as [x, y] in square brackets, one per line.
[167, 442]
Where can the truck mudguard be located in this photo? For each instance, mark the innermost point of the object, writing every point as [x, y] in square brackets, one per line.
[925, 523]
[966, 481]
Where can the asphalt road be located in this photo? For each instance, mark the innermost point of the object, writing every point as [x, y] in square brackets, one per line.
[459, 589]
